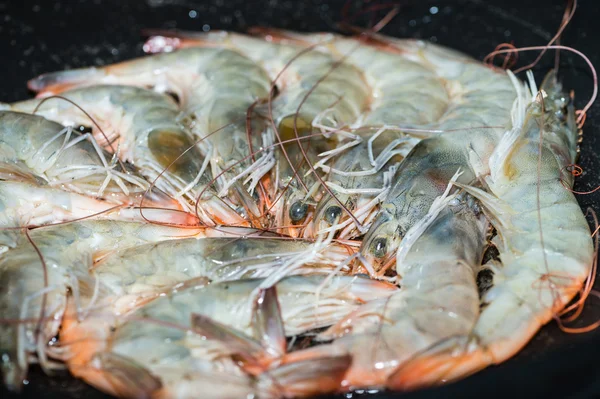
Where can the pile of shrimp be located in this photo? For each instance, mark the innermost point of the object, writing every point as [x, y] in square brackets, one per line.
[280, 214]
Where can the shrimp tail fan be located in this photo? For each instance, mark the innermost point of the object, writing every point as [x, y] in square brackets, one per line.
[124, 377]
[306, 378]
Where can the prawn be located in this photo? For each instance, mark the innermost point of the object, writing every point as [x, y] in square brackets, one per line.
[154, 267]
[215, 93]
[37, 271]
[315, 92]
[199, 328]
[544, 241]
[429, 166]
[436, 265]
[142, 124]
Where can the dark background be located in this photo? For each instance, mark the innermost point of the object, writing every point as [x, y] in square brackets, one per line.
[43, 36]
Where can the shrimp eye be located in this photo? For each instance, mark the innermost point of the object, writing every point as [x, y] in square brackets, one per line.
[83, 129]
[332, 213]
[298, 211]
[379, 247]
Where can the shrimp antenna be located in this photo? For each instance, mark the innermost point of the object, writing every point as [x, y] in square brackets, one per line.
[214, 179]
[583, 112]
[32, 227]
[376, 27]
[298, 165]
[567, 16]
[249, 113]
[38, 327]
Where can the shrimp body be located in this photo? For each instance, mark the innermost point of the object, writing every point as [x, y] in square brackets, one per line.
[543, 240]
[215, 87]
[413, 95]
[466, 102]
[142, 124]
[316, 91]
[154, 267]
[429, 166]
[30, 289]
[438, 297]
[166, 325]
[420, 97]
[49, 152]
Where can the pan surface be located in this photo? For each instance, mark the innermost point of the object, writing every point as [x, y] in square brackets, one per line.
[42, 36]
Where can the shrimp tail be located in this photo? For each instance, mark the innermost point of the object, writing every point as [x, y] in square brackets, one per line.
[56, 82]
[308, 377]
[124, 377]
[247, 349]
[440, 363]
[268, 322]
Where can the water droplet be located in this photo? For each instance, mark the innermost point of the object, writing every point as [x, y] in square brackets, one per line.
[206, 27]
[434, 10]
[193, 13]
[412, 22]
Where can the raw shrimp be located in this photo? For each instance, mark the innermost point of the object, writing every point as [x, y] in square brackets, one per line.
[438, 298]
[426, 170]
[544, 241]
[169, 326]
[462, 96]
[30, 287]
[414, 96]
[142, 124]
[327, 96]
[215, 87]
[152, 268]
[31, 145]
[316, 92]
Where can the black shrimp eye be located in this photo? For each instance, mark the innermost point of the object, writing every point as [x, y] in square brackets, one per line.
[82, 129]
[332, 213]
[379, 247]
[298, 211]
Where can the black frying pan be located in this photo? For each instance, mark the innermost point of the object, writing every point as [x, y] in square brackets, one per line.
[39, 36]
